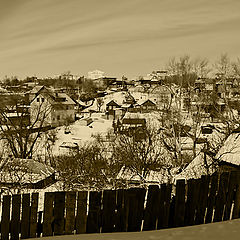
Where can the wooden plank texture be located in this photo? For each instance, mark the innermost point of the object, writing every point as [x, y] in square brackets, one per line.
[152, 208]
[59, 208]
[25, 223]
[81, 217]
[48, 214]
[94, 214]
[15, 219]
[121, 218]
[5, 220]
[179, 204]
[136, 197]
[202, 200]
[109, 214]
[211, 198]
[33, 215]
[221, 197]
[70, 212]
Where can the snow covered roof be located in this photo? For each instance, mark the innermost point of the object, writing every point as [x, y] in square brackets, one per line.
[230, 151]
[157, 177]
[197, 168]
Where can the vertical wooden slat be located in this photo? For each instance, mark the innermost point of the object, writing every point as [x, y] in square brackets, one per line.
[81, 217]
[94, 214]
[236, 208]
[211, 198]
[161, 206]
[192, 201]
[59, 208]
[202, 200]
[167, 204]
[152, 208]
[33, 215]
[15, 220]
[25, 223]
[121, 219]
[180, 203]
[39, 223]
[221, 197]
[70, 212]
[231, 189]
[5, 217]
[109, 214]
[48, 214]
[136, 197]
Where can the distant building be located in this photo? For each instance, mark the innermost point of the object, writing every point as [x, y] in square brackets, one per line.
[56, 108]
[96, 74]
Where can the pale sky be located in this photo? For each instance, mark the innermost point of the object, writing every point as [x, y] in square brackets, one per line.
[130, 37]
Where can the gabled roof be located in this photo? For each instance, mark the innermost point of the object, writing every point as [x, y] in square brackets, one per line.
[113, 103]
[146, 102]
[54, 97]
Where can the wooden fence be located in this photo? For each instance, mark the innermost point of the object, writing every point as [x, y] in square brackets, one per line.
[209, 199]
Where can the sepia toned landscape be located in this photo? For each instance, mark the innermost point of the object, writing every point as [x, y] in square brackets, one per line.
[119, 117]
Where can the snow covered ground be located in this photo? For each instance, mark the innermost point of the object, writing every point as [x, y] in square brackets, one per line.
[81, 134]
[214, 231]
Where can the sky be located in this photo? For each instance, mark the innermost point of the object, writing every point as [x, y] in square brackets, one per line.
[125, 37]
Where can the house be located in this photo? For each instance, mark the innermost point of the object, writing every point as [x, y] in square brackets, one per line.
[201, 165]
[147, 105]
[56, 108]
[17, 174]
[229, 154]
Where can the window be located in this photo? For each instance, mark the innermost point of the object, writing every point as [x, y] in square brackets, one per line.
[66, 107]
[58, 117]
[38, 99]
[43, 99]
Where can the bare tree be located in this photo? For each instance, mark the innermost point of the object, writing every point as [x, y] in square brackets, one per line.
[20, 130]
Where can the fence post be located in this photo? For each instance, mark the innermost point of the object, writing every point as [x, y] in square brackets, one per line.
[70, 212]
[81, 218]
[5, 221]
[180, 203]
[59, 207]
[33, 215]
[109, 214]
[25, 223]
[152, 208]
[48, 214]
[15, 221]
[94, 214]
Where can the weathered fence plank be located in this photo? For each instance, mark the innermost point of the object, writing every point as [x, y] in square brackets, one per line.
[109, 214]
[211, 198]
[202, 200]
[15, 219]
[5, 220]
[230, 195]
[136, 197]
[33, 215]
[94, 214]
[81, 217]
[221, 197]
[191, 203]
[179, 204]
[48, 214]
[121, 219]
[25, 223]
[59, 207]
[236, 208]
[152, 208]
[70, 212]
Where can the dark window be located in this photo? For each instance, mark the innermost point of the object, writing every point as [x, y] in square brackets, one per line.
[38, 99]
[58, 117]
[43, 99]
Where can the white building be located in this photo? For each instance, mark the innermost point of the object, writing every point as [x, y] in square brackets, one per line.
[96, 74]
